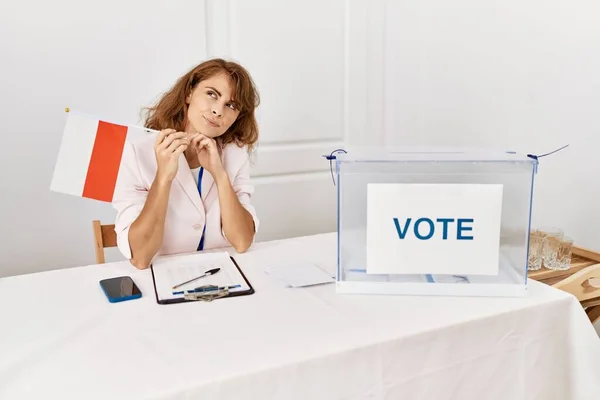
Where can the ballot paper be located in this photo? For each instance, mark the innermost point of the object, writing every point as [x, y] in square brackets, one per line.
[299, 274]
[170, 271]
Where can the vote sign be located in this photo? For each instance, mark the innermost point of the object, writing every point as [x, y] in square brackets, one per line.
[449, 229]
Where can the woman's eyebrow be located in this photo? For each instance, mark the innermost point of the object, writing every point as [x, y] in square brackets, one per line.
[210, 87]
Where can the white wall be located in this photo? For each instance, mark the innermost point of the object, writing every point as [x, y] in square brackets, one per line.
[520, 75]
[114, 58]
[109, 58]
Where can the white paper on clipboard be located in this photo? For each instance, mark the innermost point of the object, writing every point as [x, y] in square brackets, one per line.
[170, 271]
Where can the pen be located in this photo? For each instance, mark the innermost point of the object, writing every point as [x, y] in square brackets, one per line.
[207, 273]
[207, 289]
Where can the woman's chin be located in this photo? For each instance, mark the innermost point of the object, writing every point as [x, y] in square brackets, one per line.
[212, 132]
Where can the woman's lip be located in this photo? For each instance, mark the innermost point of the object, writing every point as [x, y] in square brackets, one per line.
[211, 123]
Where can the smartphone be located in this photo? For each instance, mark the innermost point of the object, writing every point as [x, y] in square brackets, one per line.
[120, 288]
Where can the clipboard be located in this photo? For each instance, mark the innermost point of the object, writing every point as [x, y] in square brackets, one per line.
[204, 292]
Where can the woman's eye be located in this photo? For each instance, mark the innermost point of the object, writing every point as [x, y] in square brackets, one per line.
[212, 94]
[232, 106]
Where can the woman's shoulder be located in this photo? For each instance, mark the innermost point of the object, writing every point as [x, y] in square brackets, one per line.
[144, 143]
[139, 150]
[235, 152]
[235, 156]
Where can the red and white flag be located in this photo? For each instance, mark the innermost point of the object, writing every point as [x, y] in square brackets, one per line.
[89, 158]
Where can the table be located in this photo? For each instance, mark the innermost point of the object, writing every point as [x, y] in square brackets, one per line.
[60, 338]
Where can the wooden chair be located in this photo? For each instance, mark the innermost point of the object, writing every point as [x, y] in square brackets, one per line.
[104, 236]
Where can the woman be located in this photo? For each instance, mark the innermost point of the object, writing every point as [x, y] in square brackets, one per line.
[188, 187]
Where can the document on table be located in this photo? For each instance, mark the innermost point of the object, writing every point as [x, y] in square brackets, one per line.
[170, 271]
[299, 274]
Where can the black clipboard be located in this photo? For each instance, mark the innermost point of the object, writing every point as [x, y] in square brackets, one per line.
[183, 300]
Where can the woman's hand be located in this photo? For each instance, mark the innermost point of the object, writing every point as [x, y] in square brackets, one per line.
[169, 145]
[208, 154]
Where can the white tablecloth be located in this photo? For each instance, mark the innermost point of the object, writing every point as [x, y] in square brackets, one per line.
[60, 338]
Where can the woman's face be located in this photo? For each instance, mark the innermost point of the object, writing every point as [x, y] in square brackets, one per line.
[211, 110]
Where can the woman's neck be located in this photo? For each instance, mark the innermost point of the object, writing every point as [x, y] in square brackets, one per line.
[190, 154]
[191, 157]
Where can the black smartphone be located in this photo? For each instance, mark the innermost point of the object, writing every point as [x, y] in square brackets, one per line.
[120, 288]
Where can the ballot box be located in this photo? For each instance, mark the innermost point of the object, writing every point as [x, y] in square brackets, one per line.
[433, 221]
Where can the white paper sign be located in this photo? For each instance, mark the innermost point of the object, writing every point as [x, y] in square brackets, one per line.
[433, 228]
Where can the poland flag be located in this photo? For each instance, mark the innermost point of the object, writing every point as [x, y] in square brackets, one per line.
[89, 157]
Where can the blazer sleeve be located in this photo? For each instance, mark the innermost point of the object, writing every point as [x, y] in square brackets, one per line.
[129, 198]
[245, 189]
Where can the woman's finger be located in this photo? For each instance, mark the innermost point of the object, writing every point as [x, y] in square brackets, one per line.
[176, 143]
[206, 142]
[196, 139]
[162, 135]
[179, 150]
[169, 139]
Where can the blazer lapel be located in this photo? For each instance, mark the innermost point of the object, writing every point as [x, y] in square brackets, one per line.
[207, 184]
[186, 180]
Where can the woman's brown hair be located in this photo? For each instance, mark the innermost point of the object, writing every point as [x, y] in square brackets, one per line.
[170, 112]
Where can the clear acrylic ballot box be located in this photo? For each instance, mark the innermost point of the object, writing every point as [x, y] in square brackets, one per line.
[433, 222]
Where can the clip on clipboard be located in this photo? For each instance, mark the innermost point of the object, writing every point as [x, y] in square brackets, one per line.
[183, 278]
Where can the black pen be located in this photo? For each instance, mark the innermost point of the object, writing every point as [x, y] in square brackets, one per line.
[207, 273]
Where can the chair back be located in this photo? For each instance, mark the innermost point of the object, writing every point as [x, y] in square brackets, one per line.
[104, 236]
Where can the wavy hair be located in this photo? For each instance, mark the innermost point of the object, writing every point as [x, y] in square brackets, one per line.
[170, 112]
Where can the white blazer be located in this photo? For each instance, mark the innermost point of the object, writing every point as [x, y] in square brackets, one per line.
[186, 212]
